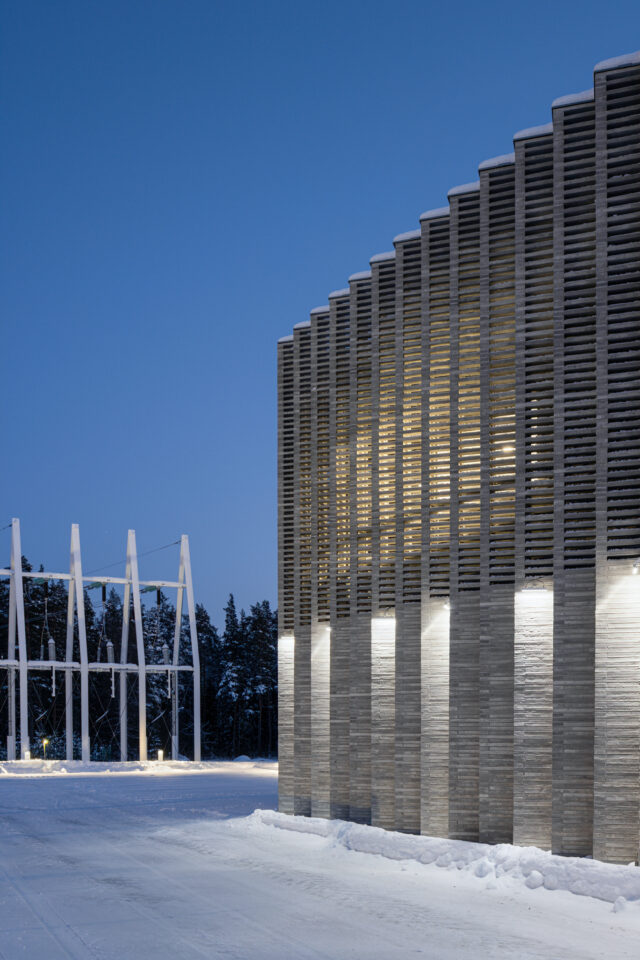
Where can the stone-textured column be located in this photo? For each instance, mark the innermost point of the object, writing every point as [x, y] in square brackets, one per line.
[574, 472]
[533, 617]
[285, 574]
[302, 571]
[383, 652]
[436, 492]
[383, 541]
[497, 395]
[616, 828]
[320, 629]
[408, 529]
[464, 630]
[360, 499]
[533, 697]
[339, 551]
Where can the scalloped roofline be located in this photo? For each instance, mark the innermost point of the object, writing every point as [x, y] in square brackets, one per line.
[502, 161]
[381, 257]
[464, 188]
[408, 235]
[361, 275]
[614, 63]
[302, 325]
[339, 293]
[287, 339]
[530, 132]
[570, 98]
[436, 212]
[324, 309]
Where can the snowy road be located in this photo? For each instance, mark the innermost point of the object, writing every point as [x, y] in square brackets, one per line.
[140, 866]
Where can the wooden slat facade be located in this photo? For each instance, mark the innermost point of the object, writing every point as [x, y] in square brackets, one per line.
[459, 507]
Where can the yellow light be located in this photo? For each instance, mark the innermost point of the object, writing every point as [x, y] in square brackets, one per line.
[45, 742]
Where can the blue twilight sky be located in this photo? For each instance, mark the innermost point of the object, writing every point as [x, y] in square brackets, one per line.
[182, 181]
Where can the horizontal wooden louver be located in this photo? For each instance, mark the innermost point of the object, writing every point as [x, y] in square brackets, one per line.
[302, 545]
[361, 420]
[501, 373]
[467, 393]
[538, 357]
[579, 355]
[623, 313]
[285, 488]
[387, 432]
[323, 464]
[410, 411]
[437, 347]
[342, 458]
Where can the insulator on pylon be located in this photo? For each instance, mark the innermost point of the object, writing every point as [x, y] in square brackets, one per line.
[110, 652]
[166, 653]
[52, 648]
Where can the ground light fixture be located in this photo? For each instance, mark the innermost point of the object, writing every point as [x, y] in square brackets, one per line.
[160, 754]
[44, 747]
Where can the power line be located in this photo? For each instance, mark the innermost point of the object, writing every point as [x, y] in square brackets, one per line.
[118, 563]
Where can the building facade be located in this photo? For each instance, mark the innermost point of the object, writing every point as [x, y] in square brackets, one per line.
[459, 507]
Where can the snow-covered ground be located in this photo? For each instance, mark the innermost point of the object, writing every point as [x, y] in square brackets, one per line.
[166, 864]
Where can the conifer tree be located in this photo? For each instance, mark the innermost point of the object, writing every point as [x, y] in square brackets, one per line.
[232, 673]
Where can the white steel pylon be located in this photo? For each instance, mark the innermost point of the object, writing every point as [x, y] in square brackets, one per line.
[76, 619]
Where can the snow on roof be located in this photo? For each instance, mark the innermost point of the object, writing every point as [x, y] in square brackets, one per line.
[502, 161]
[530, 132]
[339, 293]
[303, 325]
[570, 98]
[626, 60]
[363, 275]
[409, 235]
[464, 188]
[320, 310]
[437, 212]
[287, 339]
[379, 257]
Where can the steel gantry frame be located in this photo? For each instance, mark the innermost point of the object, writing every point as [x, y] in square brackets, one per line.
[76, 614]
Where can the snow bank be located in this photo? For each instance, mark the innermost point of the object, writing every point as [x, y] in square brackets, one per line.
[526, 865]
[39, 768]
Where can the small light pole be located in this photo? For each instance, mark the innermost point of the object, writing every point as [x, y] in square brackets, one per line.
[160, 754]
[44, 746]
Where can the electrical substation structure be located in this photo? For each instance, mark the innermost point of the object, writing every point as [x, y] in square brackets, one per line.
[19, 666]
